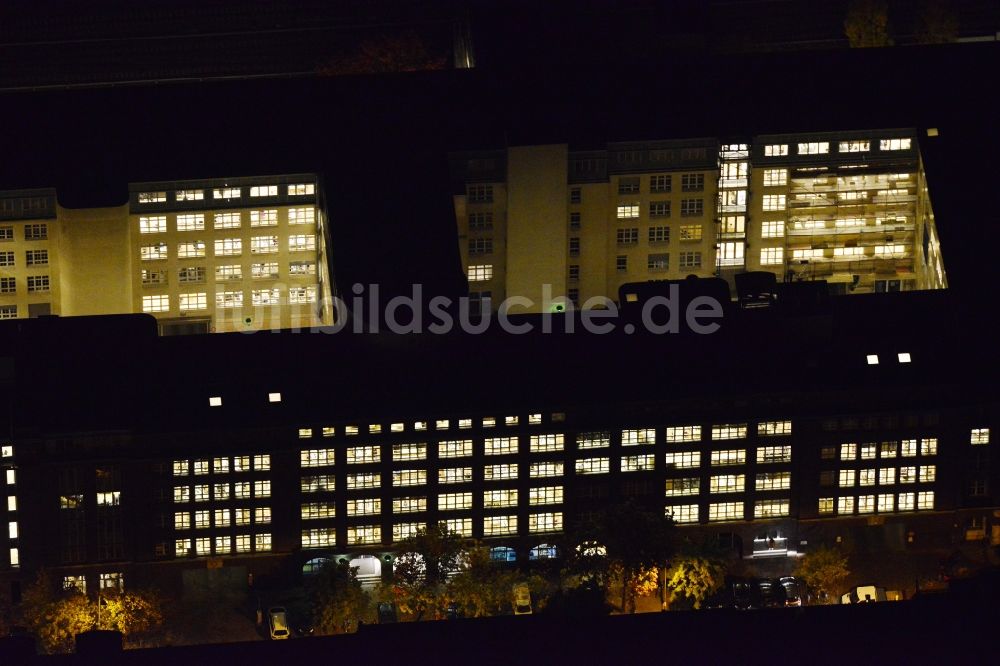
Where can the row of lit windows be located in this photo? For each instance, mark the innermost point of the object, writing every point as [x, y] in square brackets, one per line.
[228, 247]
[907, 448]
[194, 301]
[439, 424]
[224, 545]
[102, 498]
[762, 509]
[884, 503]
[263, 270]
[823, 147]
[157, 224]
[222, 491]
[446, 502]
[260, 462]
[886, 476]
[293, 190]
[206, 519]
[728, 483]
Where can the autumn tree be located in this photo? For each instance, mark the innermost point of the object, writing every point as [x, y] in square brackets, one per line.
[867, 24]
[824, 570]
[695, 577]
[425, 562]
[338, 600]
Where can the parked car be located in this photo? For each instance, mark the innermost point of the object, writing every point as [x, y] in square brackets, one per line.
[772, 593]
[791, 586]
[277, 621]
[522, 599]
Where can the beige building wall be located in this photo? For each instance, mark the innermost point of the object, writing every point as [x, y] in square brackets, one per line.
[537, 239]
[95, 261]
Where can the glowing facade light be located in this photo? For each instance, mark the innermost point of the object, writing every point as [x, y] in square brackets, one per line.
[872, 359]
[215, 401]
[274, 397]
[904, 357]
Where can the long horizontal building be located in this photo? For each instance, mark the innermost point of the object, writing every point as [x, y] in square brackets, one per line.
[117, 466]
[216, 255]
[850, 208]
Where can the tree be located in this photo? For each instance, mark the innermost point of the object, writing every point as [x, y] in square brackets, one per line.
[695, 578]
[136, 614]
[824, 570]
[338, 600]
[625, 544]
[936, 23]
[481, 588]
[867, 24]
[424, 565]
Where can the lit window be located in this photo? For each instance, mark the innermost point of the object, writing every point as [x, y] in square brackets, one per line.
[642, 463]
[226, 193]
[500, 472]
[847, 478]
[241, 463]
[242, 543]
[895, 144]
[227, 220]
[301, 243]
[638, 437]
[886, 503]
[776, 150]
[366, 480]
[322, 483]
[401, 531]
[593, 440]
[403, 452]
[888, 449]
[845, 506]
[420, 425]
[543, 495]
[688, 486]
[364, 534]
[980, 436]
[772, 229]
[456, 501]
[264, 191]
[301, 215]
[221, 491]
[228, 299]
[854, 147]
[545, 522]
[866, 477]
[848, 451]
[274, 397]
[905, 501]
[729, 457]
[228, 247]
[191, 222]
[887, 476]
[215, 401]
[683, 434]
[152, 197]
[814, 148]
[455, 448]
[264, 218]
[262, 543]
[318, 510]
[774, 454]
[727, 483]
[455, 475]
[908, 474]
[153, 252]
[593, 466]
[683, 460]
[301, 189]
[459, 526]
[152, 225]
[197, 301]
[729, 431]
[628, 211]
[329, 431]
[267, 270]
[189, 195]
[928, 446]
[409, 504]
[496, 446]
[319, 537]
[682, 513]
[499, 525]
[909, 448]
[904, 357]
[545, 469]
[351, 430]
[925, 500]
[771, 508]
[510, 420]
[463, 424]
[480, 272]
[493, 499]
[773, 481]
[928, 473]
[774, 177]
[866, 504]
[690, 232]
[725, 511]
[825, 505]
[369, 506]
[264, 245]
[774, 202]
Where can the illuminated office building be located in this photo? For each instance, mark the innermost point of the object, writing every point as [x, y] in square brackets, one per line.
[849, 208]
[201, 256]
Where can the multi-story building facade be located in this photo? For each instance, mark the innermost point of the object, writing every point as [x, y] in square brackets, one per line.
[850, 208]
[270, 470]
[201, 256]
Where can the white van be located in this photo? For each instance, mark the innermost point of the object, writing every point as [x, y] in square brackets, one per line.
[864, 594]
